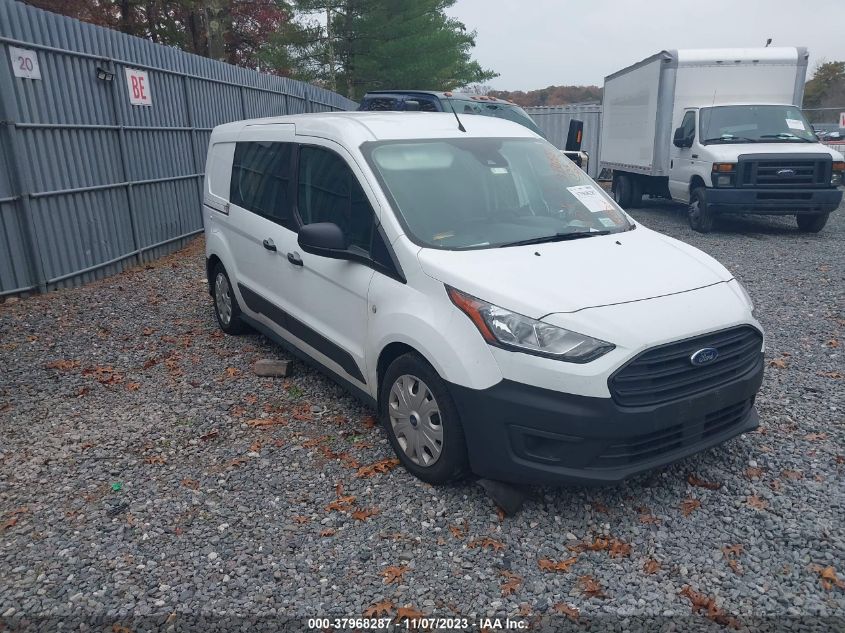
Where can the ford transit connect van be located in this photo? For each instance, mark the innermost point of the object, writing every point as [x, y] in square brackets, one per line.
[502, 312]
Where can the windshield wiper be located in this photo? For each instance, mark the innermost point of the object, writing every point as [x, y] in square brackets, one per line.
[557, 237]
[786, 136]
[730, 139]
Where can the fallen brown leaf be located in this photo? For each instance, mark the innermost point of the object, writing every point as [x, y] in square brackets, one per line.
[569, 611]
[315, 441]
[341, 504]
[828, 577]
[260, 423]
[707, 605]
[793, 475]
[370, 422]
[301, 519]
[591, 587]
[829, 374]
[549, 565]
[694, 480]
[157, 460]
[394, 573]
[328, 532]
[652, 566]
[378, 609]
[193, 484]
[458, 531]
[815, 437]
[381, 466]
[756, 502]
[486, 542]
[364, 513]
[689, 505]
[779, 363]
[753, 472]
[832, 343]
[511, 583]
[408, 613]
[133, 386]
[232, 372]
[210, 435]
[63, 364]
[731, 554]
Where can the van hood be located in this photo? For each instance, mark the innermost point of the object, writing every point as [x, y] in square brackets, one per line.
[539, 279]
[730, 152]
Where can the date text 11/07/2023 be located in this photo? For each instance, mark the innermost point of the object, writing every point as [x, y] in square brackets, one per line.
[421, 623]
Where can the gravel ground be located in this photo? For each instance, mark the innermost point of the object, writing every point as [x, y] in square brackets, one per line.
[137, 483]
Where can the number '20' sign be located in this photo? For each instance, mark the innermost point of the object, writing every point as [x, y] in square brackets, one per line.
[24, 63]
[138, 85]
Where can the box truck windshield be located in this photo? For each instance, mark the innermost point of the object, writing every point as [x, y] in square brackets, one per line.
[754, 124]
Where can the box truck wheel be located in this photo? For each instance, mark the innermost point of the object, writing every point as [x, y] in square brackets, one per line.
[811, 223]
[626, 191]
[698, 213]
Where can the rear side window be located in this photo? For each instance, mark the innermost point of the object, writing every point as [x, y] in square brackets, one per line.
[330, 192]
[261, 179]
[380, 103]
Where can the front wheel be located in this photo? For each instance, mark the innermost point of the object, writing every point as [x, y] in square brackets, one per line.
[422, 421]
[700, 216]
[811, 223]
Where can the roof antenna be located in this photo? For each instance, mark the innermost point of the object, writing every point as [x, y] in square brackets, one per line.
[768, 41]
[448, 96]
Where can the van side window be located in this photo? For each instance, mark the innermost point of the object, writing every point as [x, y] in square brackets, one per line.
[330, 192]
[261, 179]
[688, 124]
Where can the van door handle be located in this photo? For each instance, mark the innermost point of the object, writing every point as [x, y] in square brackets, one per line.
[295, 259]
[695, 155]
[269, 245]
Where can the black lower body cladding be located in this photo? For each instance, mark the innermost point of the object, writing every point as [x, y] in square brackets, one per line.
[524, 434]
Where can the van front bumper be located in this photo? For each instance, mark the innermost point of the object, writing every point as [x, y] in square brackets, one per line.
[774, 201]
[524, 434]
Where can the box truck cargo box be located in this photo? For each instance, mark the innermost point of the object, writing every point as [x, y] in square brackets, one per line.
[719, 129]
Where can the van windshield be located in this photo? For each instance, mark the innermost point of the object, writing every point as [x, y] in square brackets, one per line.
[486, 192]
[755, 124]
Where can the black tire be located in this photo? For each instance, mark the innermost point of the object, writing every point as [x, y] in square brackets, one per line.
[623, 190]
[811, 223]
[698, 213]
[451, 463]
[220, 283]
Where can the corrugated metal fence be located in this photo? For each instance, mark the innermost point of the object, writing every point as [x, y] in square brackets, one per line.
[90, 183]
[554, 121]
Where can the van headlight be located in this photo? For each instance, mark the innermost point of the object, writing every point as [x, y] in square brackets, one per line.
[747, 298]
[516, 332]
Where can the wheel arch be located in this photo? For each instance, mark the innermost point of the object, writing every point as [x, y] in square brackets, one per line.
[696, 182]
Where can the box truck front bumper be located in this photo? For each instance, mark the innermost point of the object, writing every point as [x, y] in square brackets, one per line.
[774, 201]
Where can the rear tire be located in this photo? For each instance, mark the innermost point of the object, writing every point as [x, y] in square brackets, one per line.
[226, 307]
[698, 213]
[811, 223]
[422, 421]
[623, 191]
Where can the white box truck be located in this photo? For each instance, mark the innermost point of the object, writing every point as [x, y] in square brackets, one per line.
[721, 130]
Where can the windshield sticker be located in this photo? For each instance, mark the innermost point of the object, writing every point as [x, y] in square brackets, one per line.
[795, 124]
[590, 197]
[443, 236]
[499, 170]
[607, 222]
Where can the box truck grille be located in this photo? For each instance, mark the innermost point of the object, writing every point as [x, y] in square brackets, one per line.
[666, 373]
[784, 173]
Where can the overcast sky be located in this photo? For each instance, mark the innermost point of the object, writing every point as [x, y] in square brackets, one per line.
[538, 43]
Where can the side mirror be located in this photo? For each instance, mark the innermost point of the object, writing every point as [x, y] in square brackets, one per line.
[680, 140]
[325, 239]
[574, 137]
[412, 105]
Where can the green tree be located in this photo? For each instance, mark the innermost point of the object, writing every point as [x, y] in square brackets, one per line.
[828, 78]
[353, 46]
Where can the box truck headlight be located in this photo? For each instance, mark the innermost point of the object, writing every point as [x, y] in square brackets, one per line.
[723, 174]
[836, 175]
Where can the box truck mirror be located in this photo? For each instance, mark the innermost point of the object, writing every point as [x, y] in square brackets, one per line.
[680, 139]
[575, 135]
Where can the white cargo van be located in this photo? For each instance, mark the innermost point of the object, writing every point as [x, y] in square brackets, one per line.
[721, 130]
[503, 314]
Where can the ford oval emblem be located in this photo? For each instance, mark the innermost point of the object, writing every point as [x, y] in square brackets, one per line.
[704, 356]
[785, 173]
